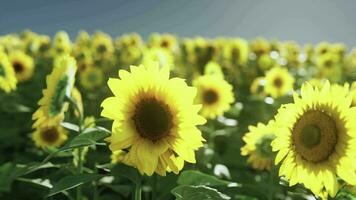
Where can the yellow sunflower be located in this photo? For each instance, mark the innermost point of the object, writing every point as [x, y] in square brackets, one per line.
[165, 41]
[163, 57]
[102, 45]
[260, 46]
[236, 51]
[329, 66]
[215, 94]
[258, 146]
[23, 65]
[7, 74]
[61, 43]
[91, 78]
[49, 136]
[353, 93]
[154, 119]
[59, 85]
[316, 139]
[278, 82]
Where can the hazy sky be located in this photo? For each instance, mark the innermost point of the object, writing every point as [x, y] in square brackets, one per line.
[300, 20]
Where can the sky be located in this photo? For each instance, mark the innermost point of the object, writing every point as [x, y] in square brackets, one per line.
[304, 21]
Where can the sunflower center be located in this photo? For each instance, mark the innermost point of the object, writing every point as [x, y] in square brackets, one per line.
[328, 64]
[278, 82]
[58, 97]
[50, 135]
[210, 96]
[101, 48]
[165, 44]
[2, 70]
[315, 136]
[152, 119]
[93, 77]
[18, 66]
[263, 146]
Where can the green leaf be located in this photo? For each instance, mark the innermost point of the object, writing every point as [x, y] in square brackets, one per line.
[8, 173]
[126, 171]
[124, 190]
[185, 192]
[193, 177]
[70, 182]
[90, 136]
[70, 126]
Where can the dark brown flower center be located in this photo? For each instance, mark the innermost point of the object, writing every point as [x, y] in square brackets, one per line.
[152, 119]
[50, 135]
[328, 63]
[165, 44]
[278, 82]
[18, 66]
[210, 96]
[315, 136]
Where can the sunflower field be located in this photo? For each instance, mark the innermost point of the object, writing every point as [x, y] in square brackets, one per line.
[102, 118]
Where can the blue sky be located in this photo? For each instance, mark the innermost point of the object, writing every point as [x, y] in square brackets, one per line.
[303, 21]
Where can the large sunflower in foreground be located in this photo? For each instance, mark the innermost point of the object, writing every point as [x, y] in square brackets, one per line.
[258, 146]
[7, 74]
[49, 136]
[215, 94]
[23, 65]
[278, 82]
[154, 119]
[316, 139]
[59, 85]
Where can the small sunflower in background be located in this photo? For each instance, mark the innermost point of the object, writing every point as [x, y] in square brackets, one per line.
[22, 64]
[59, 85]
[82, 41]
[8, 79]
[49, 136]
[291, 52]
[163, 57]
[315, 139]
[102, 46]
[84, 59]
[42, 46]
[322, 48]
[236, 51]
[61, 44]
[154, 123]
[215, 94]
[91, 78]
[164, 41]
[265, 62]
[278, 82]
[260, 46]
[329, 66]
[213, 68]
[257, 86]
[258, 146]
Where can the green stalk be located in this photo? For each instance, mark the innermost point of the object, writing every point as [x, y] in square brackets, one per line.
[138, 187]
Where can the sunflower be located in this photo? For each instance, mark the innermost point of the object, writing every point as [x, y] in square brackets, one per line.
[353, 93]
[215, 94]
[22, 64]
[59, 85]
[236, 51]
[165, 41]
[163, 57]
[258, 146]
[278, 82]
[154, 123]
[329, 66]
[260, 46]
[7, 74]
[49, 136]
[91, 78]
[102, 45]
[316, 139]
[61, 43]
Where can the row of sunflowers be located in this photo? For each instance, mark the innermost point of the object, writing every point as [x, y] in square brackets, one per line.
[175, 118]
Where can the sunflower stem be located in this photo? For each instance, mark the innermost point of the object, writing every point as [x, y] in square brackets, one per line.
[80, 150]
[138, 187]
[154, 186]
